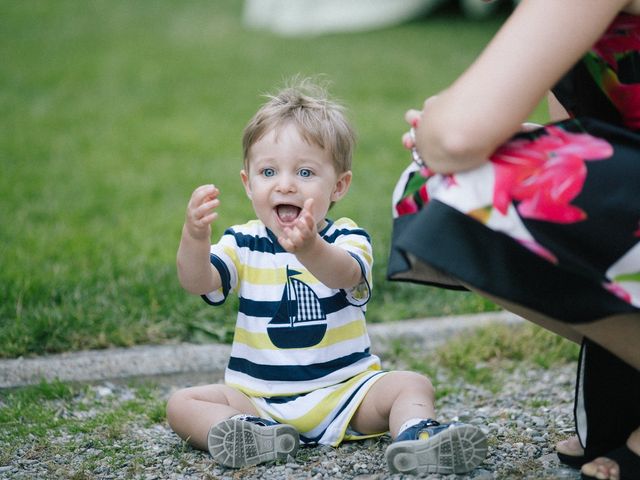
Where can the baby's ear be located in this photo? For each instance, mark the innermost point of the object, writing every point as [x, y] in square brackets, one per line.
[244, 176]
[342, 186]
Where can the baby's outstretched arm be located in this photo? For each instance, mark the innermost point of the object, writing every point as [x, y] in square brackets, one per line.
[330, 264]
[195, 272]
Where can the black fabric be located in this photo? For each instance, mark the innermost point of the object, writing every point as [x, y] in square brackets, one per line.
[497, 264]
[611, 392]
[578, 84]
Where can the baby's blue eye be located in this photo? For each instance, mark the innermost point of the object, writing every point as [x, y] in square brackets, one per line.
[268, 172]
[305, 172]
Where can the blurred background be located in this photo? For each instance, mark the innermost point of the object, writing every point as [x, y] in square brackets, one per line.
[112, 112]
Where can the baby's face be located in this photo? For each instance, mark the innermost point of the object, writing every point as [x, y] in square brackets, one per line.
[284, 171]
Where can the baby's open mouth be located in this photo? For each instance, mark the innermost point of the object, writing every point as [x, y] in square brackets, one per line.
[288, 213]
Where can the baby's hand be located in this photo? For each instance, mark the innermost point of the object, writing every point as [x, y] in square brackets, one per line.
[303, 234]
[200, 211]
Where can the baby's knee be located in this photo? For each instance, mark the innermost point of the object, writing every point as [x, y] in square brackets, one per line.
[176, 404]
[415, 381]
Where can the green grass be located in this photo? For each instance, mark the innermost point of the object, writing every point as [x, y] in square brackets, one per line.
[78, 419]
[111, 112]
[476, 358]
[35, 411]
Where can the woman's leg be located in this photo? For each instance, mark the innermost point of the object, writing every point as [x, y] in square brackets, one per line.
[192, 411]
[607, 408]
[392, 400]
[607, 399]
[565, 330]
[608, 390]
[619, 335]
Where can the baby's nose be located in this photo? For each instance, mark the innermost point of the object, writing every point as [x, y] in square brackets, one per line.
[286, 183]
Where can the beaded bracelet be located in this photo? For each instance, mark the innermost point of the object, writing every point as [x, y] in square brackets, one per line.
[415, 156]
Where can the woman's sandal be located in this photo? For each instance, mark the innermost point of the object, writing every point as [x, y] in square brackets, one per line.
[628, 463]
[574, 461]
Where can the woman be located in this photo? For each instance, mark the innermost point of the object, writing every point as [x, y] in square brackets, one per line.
[543, 221]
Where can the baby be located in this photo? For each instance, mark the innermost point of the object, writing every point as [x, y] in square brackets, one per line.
[301, 369]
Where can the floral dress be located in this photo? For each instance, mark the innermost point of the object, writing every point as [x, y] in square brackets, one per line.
[552, 222]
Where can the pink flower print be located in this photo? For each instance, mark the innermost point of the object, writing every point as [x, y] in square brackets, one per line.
[415, 193]
[450, 180]
[406, 206]
[425, 172]
[618, 291]
[539, 250]
[424, 196]
[545, 174]
[621, 37]
[409, 204]
[626, 98]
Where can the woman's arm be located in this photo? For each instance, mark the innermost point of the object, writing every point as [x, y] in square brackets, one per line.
[541, 40]
[556, 111]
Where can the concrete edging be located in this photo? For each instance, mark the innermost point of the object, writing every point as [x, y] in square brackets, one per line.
[118, 363]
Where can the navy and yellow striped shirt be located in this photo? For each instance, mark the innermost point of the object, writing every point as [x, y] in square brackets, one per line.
[293, 334]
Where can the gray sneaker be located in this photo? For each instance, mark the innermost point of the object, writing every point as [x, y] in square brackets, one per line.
[240, 442]
[430, 447]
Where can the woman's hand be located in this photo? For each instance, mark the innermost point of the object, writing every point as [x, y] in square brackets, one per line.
[414, 117]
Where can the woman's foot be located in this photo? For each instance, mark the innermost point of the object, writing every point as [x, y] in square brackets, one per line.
[571, 453]
[604, 468]
[571, 446]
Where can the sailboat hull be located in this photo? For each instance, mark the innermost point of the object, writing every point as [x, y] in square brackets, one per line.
[300, 336]
[300, 320]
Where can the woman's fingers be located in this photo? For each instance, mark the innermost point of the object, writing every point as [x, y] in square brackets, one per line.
[408, 141]
[412, 117]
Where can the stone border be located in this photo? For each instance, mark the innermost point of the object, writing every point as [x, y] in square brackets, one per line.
[117, 363]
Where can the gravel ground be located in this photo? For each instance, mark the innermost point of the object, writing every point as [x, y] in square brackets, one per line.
[522, 421]
[521, 438]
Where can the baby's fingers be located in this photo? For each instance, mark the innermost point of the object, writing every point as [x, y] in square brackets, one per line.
[198, 211]
[203, 193]
[286, 241]
[207, 219]
[201, 209]
[306, 215]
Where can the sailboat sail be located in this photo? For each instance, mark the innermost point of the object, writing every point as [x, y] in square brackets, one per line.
[300, 320]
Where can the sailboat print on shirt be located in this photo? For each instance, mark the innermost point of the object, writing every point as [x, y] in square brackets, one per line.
[300, 320]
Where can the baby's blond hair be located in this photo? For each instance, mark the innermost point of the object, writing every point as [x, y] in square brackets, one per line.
[320, 121]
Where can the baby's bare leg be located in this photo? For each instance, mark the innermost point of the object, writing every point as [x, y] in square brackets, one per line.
[192, 411]
[392, 400]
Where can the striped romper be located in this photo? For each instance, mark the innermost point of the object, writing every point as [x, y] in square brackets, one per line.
[300, 350]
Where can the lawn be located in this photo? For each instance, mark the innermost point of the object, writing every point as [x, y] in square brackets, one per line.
[111, 112]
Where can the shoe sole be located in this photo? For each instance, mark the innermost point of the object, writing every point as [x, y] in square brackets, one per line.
[237, 443]
[458, 449]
